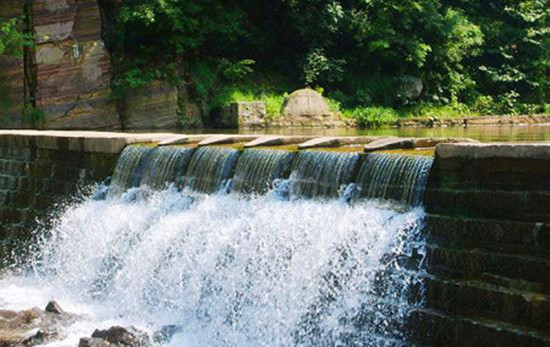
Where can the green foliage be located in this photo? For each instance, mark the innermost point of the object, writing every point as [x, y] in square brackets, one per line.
[236, 71]
[473, 57]
[32, 115]
[273, 101]
[373, 116]
[12, 39]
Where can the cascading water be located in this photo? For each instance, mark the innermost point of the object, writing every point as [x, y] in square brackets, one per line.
[226, 269]
[257, 169]
[210, 168]
[393, 177]
[130, 166]
[321, 174]
[165, 165]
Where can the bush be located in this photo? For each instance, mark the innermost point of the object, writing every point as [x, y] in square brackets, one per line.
[373, 116]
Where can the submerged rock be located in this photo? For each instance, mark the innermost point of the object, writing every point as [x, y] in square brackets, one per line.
[120, 336]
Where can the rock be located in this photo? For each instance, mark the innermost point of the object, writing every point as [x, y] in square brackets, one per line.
[409, 87]
[53, 307]
[32, 327]
[244, 114]
[306, 103]
[43, 336]
[123, 336]
[166, 333]
[153, 106]
[93, 342]
[72, 70]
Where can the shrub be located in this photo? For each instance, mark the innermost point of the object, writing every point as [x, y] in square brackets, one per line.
[373, 116]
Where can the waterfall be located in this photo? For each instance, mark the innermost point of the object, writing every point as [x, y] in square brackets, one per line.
[235, 270]
[257, 169]
[321, 174]
[396, 177]
[165, 165]
[210, 168]
[129, 167]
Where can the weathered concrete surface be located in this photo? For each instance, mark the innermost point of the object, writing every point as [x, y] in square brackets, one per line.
[153, 106]
[408, 143]
[276, 140]
[473, 121]
[227, 139]
[488, 236]
[183, 139]
[78, 141]
[337, 141]
[244, 114]
[539, 150]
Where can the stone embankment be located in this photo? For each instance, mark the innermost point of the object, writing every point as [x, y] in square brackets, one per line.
[488, 257]
[488, 219]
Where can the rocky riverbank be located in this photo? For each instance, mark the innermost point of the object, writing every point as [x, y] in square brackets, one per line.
[35, 327]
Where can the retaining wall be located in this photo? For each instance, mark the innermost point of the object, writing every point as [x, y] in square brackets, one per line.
[488, 226]
[39, 169]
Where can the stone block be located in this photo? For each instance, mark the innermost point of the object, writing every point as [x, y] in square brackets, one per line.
[244, 114]
[153, 106]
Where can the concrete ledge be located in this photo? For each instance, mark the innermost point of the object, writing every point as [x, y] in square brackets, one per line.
[83, 141]
[540, 150]
[227, 139]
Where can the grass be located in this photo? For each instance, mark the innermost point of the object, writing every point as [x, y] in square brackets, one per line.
[371, 116]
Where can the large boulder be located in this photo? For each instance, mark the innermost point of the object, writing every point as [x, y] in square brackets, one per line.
[306, 103]
[307, 108]
[409, 87]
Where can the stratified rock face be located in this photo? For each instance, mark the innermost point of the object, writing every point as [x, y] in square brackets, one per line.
[72, 66]
[153, 106]
[12, 75]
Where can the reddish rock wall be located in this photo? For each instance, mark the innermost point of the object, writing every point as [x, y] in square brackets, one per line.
[73, 68]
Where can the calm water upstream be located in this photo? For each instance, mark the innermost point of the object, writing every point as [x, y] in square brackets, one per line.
[487, 133]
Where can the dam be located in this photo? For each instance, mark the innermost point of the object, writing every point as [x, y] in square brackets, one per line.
[282, 243]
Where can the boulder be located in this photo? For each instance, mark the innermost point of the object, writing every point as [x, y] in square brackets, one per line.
[409, 87]
[123, 336]
[306, 103]
[53, 307]
[32, 327]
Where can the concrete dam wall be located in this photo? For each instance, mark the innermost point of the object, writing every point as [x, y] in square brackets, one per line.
[487, 210]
